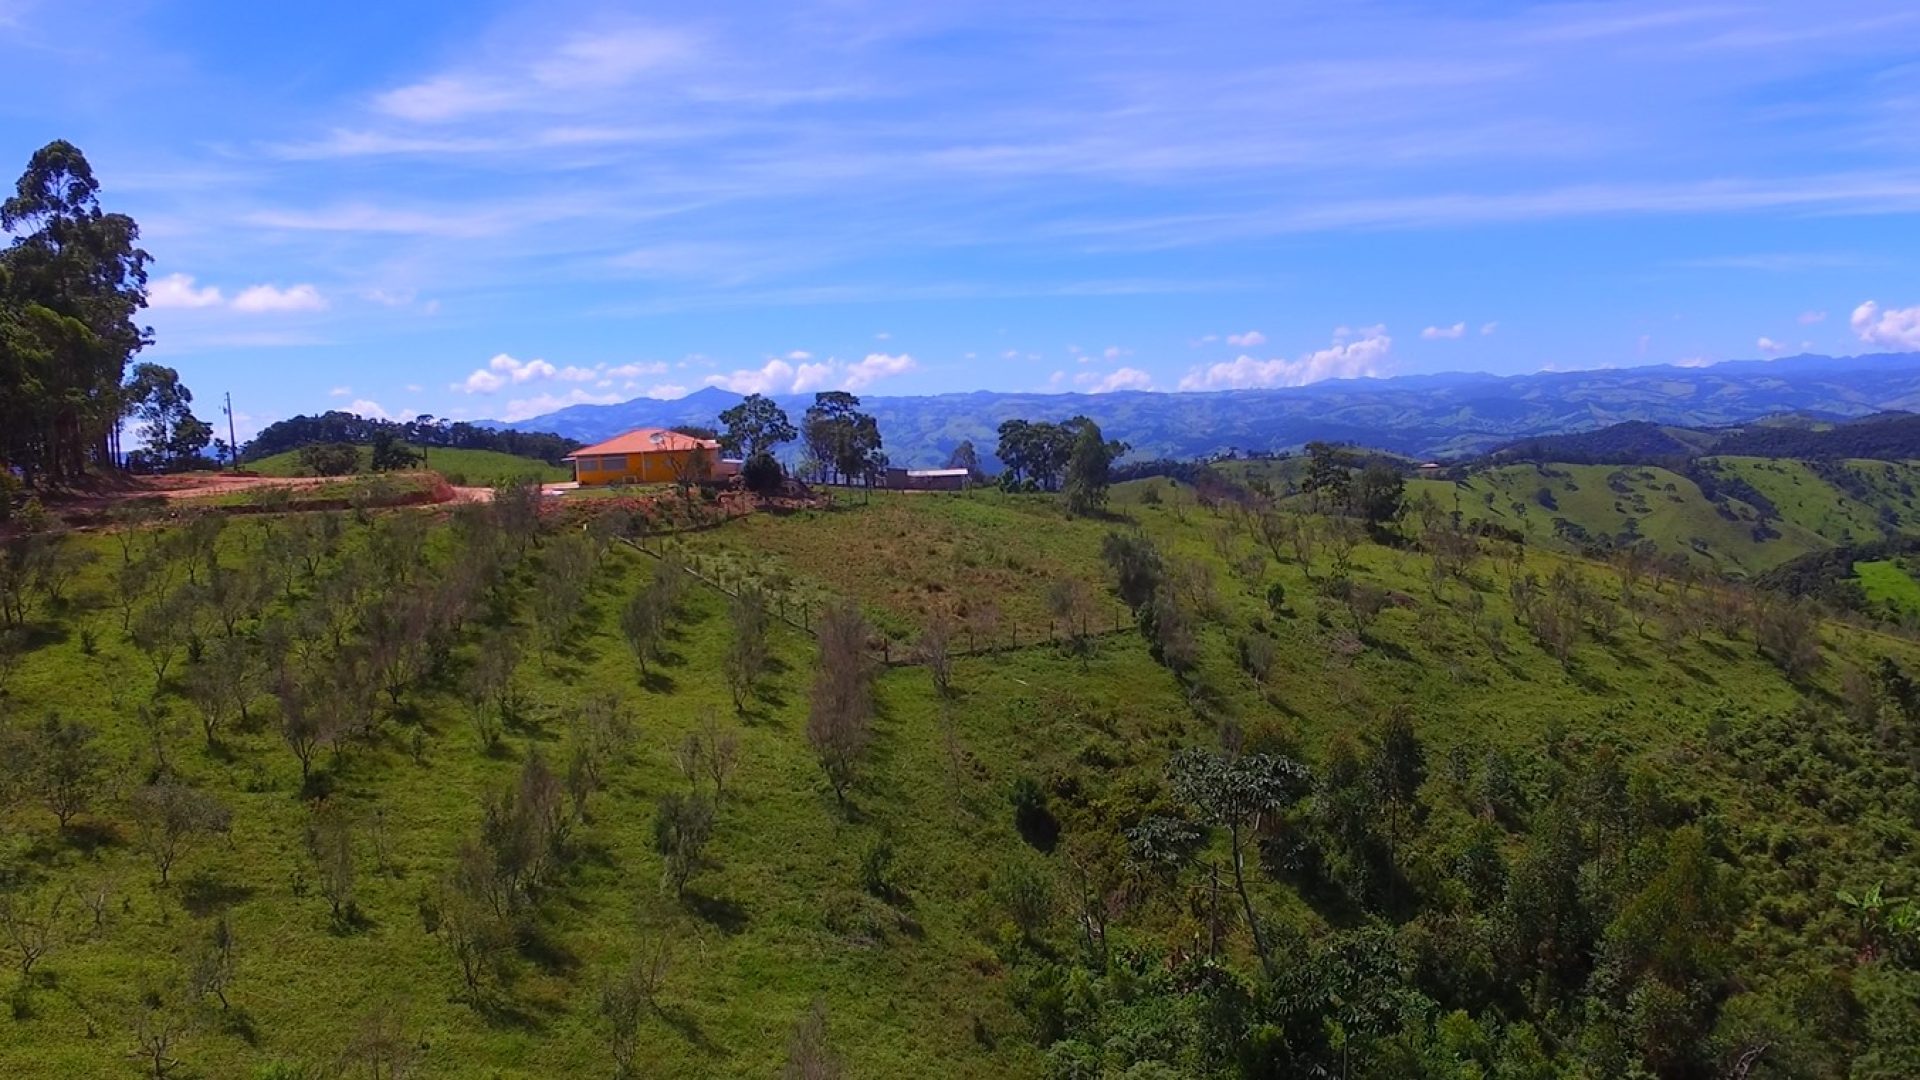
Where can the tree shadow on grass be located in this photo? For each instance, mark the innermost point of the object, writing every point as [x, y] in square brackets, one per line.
[548, 953]
[722, 913]
[685, 1024]
[658, 682]
[204, 895]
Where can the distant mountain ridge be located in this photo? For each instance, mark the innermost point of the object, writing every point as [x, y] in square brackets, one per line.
[1445, 415]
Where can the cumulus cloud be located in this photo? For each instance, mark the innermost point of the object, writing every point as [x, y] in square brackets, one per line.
[1894, 328]
[503, 371]
[1770, 347]
[1808, 318]
[1252, 339]
[1353, 354]
[270, 298]
[1448, 333]
[1125, 378]
[780, 375]
[178, 291]
[369, 409]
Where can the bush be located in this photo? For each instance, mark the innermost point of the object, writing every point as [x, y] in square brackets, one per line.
[1032, 816]
[330, 459]
[763, 475]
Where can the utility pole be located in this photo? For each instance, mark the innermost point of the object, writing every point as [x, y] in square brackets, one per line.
[233, 445]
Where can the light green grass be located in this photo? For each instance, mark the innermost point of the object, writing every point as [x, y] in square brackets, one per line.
[915, 988]
[1886, 582]
[479, 468]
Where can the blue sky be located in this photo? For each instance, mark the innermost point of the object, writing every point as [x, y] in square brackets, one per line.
[490, 210]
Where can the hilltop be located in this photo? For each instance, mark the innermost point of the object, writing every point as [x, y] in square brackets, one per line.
[1448, 416]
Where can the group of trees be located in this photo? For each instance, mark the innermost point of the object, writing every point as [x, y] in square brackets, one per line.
[72, 283]
[337, 427]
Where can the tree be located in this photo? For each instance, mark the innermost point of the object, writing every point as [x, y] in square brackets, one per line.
[1380, 495]
[1089, 468]
[682, 825]
[1238, 794]
[164, 408]
[840, 708]
[1136, 564]
[844, 441]
[809, 1054]
[754, 427]
[330, 459]
[71, 285]
[1327, 477]
[964, 456]
[171, 816]
[330, 843]
[390, 454]
[626, 996]
[643, 622]
[763, 475]
[746, 658]
[64, 766]
[212, 968]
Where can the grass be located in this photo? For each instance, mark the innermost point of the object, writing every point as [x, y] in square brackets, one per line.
[479, 468]
[1889, 584]
[916, 985]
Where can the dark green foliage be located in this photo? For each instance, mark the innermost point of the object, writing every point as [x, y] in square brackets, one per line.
[71, 284]
[1136, 566]
[390, 453]
[1088, 469]
[754, 428]
[1379, 495]
[843, 442]
[1031, 816]
[343, 427]
[762, 474]
[330, 459]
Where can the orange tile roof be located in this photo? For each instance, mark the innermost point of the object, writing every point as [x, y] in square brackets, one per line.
[644, 441]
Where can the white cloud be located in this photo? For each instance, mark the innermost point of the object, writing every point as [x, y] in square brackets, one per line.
[629, 371]
[414, 388]
[877, 366]
[1353, 354]
[1770, 347]
[1694, 362]
[1487, 329]
[368, 409]
[1808, 318]
[1449, 333]
[503, 370]
[1252, 339]
[780, 375]
[666, 392]
[340, 391]
[1895, 328]
[266, 298]
[1115, 352]
[883, 336]
[1125, 378]
[799, 355]
[178, 291]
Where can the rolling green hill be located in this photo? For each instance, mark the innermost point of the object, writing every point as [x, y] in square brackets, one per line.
[481, 468]
[1553, 821]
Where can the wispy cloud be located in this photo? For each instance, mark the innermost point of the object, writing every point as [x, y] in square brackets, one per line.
[1447, 333]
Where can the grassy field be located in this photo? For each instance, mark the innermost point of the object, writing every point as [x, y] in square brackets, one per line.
[928, 977]
[1889, 583]
[479, 468]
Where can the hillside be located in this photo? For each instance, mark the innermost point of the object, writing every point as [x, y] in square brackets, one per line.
[480, 468]
[1448, 416]
[981, 904]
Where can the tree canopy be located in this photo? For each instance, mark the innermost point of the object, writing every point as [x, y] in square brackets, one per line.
[71, 284]
[755, 426]
[843, 442]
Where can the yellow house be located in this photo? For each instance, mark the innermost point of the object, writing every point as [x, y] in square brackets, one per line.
[646, 456]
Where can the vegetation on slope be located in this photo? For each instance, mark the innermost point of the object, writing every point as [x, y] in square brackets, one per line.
[484, 468]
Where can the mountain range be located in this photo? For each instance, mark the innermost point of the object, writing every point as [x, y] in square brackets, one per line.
[1444, 415]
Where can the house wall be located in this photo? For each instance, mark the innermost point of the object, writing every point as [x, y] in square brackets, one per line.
[652, 467]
